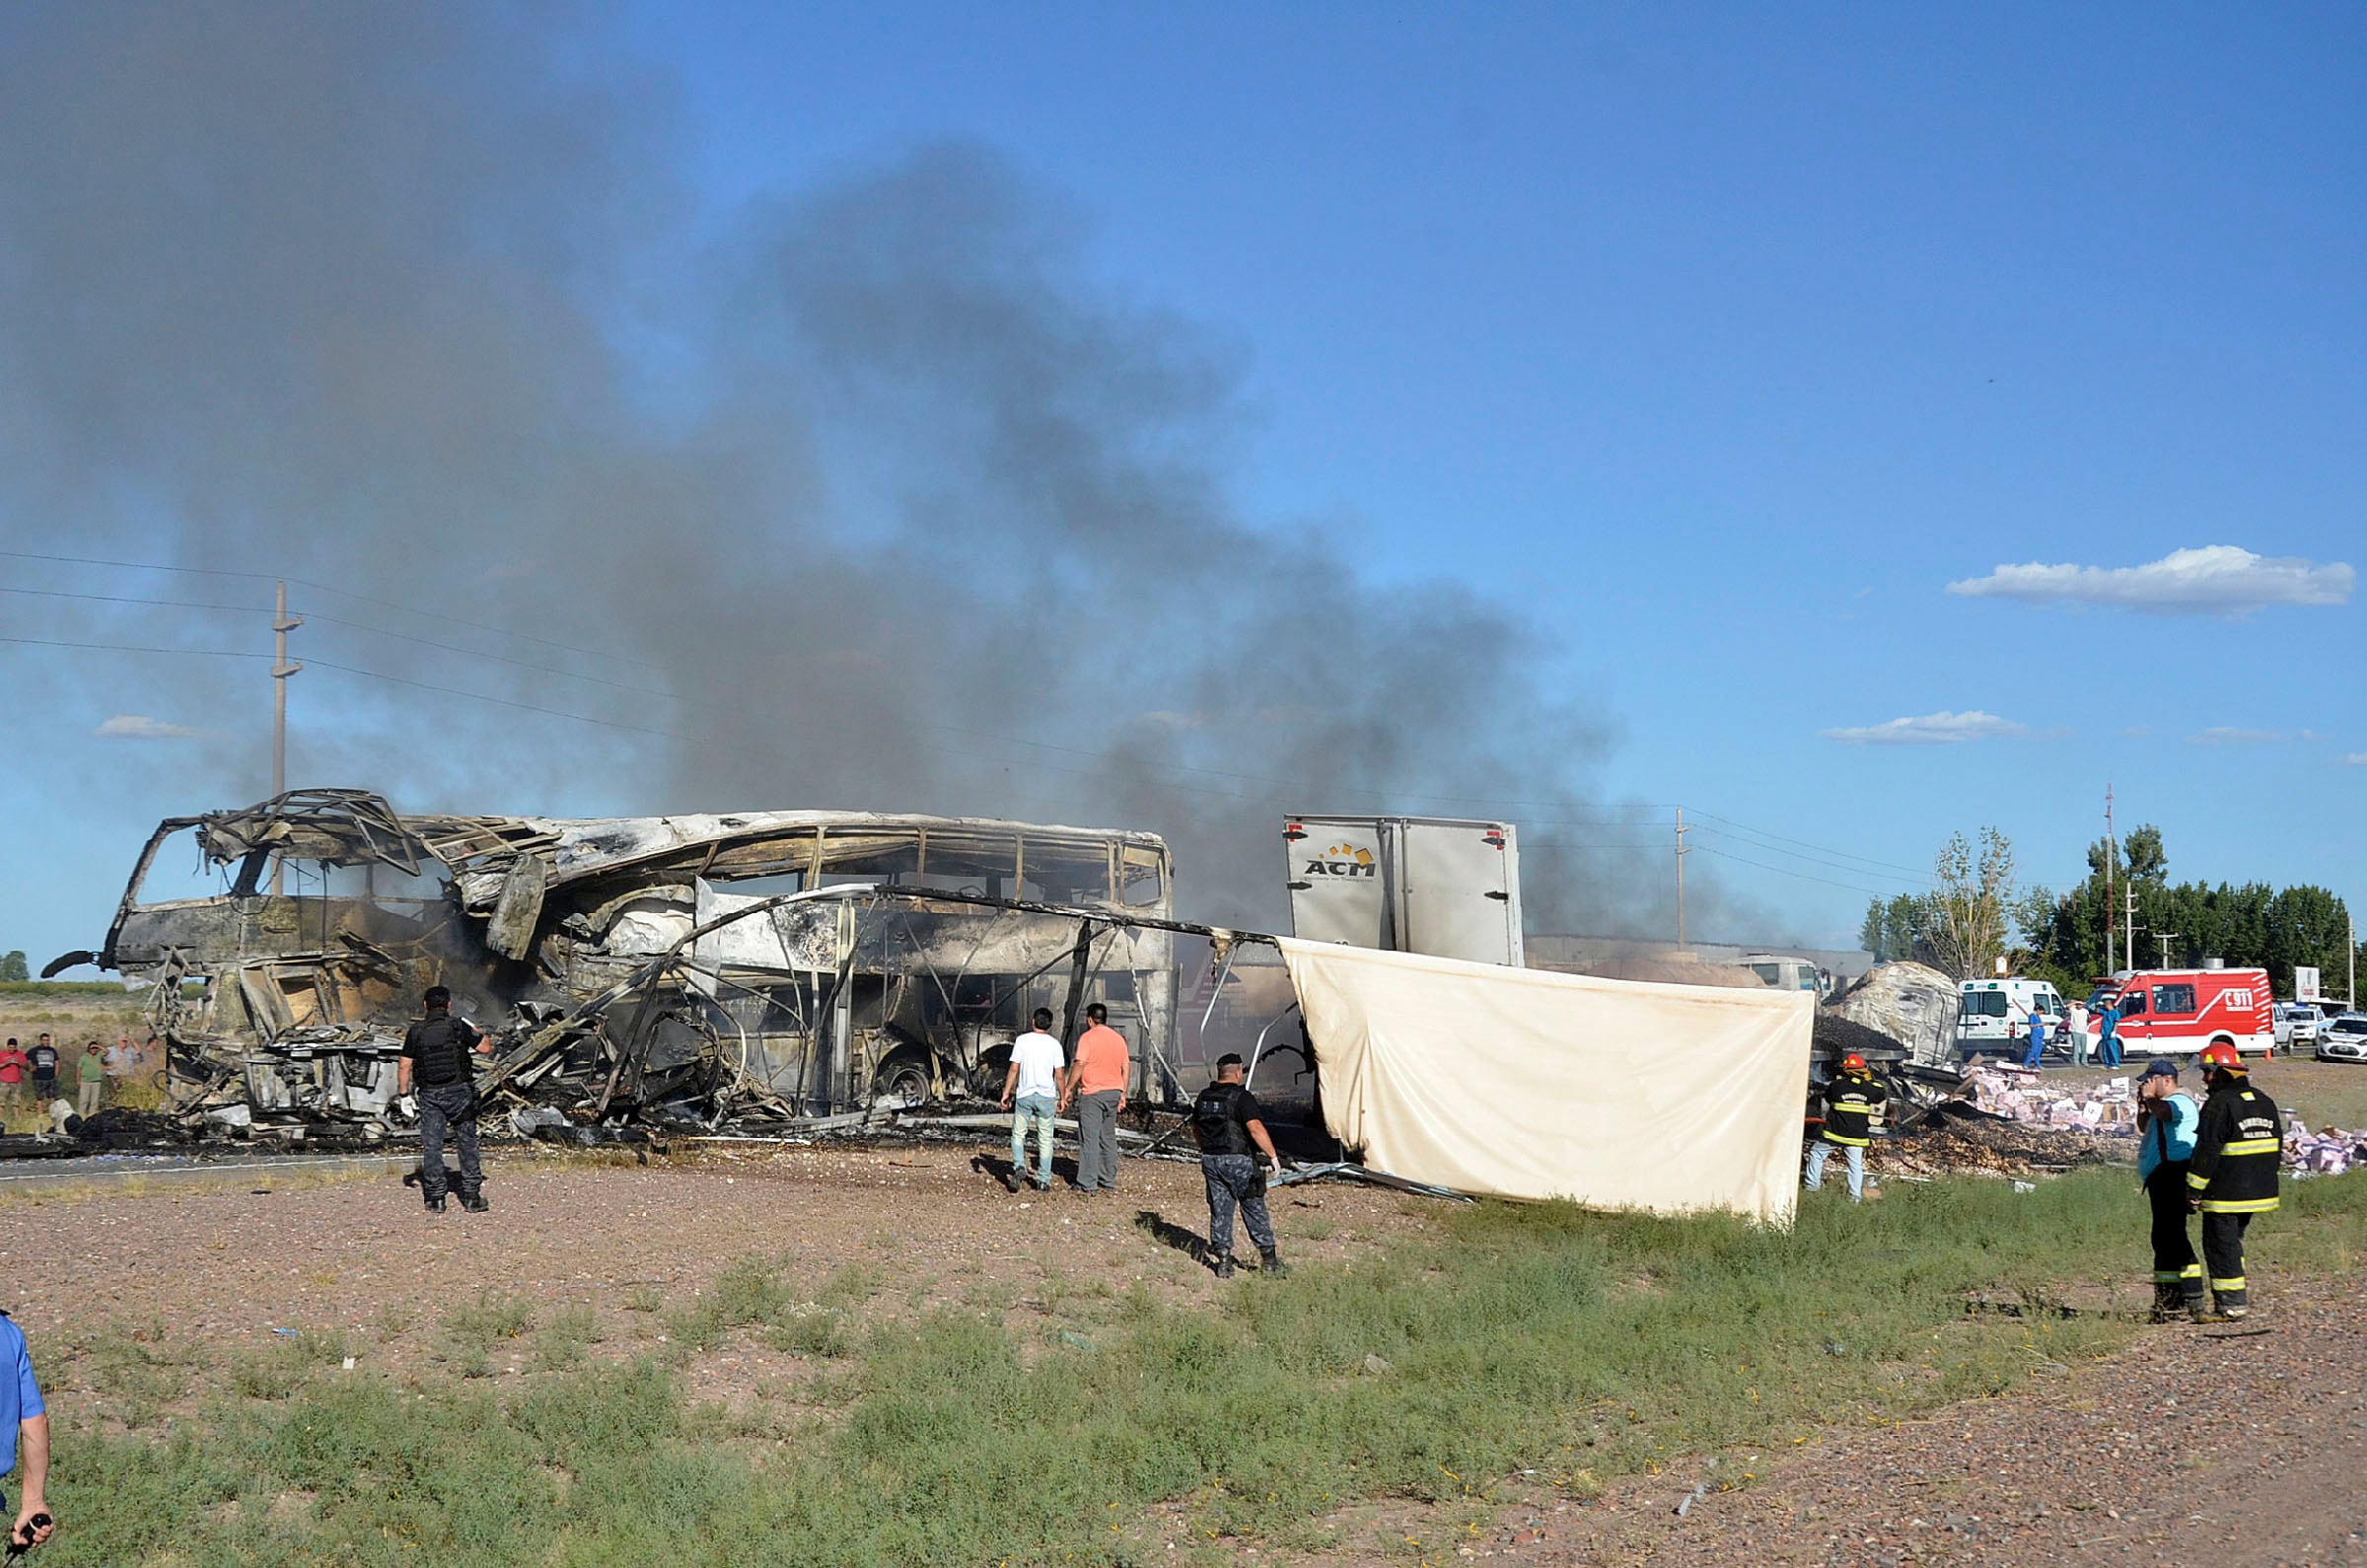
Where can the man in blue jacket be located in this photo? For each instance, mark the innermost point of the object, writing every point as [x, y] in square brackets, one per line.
[2167, 1121]
[25, 1430]
[2037, 1039]
[2108, 1035]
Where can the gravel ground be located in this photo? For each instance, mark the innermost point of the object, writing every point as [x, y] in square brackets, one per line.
[361, 1257]
[2213, 1444]
[2200, 1446]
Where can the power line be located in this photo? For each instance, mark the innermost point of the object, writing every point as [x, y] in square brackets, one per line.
[326, 588]
[124, 646]
[1787, 871]
[1805, 844]
[1628, 808]
[1796, 854]
[354, 625]
[351, 670]
[472, 653]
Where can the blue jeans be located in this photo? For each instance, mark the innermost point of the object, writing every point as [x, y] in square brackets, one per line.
[1821, 1151]
[2108, 1050]
[1039, 1110]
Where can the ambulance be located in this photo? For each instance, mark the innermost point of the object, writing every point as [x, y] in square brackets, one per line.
[1993, 1017]
[2178, 1012]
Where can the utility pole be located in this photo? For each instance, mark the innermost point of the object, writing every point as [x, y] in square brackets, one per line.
[2350, 951]
[2129, 937]
[2163, 937]
[1682, 852]
[281, 624]
[2110, 853]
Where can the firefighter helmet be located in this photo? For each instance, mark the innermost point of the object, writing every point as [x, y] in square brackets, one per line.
[2220, 1053]
[1853, 1063]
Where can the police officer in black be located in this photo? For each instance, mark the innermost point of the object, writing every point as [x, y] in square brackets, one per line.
[435, 1059]
[1229, 1125]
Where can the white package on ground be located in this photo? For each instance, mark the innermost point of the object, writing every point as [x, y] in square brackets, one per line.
[1523, 1084]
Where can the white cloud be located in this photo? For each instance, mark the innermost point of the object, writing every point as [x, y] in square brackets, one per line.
[1932, 728]
[2230, 735]
[2355, 759]
[140, 727]
[2216, 580]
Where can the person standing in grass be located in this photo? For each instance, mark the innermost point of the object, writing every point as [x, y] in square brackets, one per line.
[89, 1080]
[1231, 1130]
[1096, 1086]
[2167, 1121]
[24, 1436]
[1032, 1092]
[2239, 1147]
[13, 1064]
[45, 1071]
[1851, 1100]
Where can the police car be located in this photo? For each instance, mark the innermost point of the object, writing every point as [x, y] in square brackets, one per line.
[2343, 1039]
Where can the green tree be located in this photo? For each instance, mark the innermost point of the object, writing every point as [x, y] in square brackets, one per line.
[1972, 899]
[1893, 930]
[12, 967]
[2245, 925]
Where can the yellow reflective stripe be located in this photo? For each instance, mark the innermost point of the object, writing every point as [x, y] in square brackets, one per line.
[2251, 1146]
[2197, 1182]
[1832, 1136]
[2237, 1205]
[2228, 1284]
[2191, 1271]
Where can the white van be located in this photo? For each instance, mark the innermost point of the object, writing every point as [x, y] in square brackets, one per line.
[1993, 1017]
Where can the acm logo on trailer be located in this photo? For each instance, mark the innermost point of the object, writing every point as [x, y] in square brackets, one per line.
[1344, 860]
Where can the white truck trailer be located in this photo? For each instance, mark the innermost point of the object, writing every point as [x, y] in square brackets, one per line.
[1440, 885]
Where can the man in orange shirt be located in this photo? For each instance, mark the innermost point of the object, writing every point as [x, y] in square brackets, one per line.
[1096, 1086]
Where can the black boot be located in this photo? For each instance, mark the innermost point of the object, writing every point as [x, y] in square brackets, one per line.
[1224, 1266]
[1268, 1263]
[475, 1202]
[435, 1205]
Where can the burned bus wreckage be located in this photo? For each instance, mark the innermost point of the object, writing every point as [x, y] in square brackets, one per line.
[692, 972]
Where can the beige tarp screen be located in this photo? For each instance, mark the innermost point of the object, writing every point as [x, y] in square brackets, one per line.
[1618, 1094]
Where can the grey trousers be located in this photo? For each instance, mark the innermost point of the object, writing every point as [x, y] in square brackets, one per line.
[1097, 1141]
[1233, 1182]
[453, 1104]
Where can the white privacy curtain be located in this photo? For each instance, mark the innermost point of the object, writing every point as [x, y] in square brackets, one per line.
[1524, 1084]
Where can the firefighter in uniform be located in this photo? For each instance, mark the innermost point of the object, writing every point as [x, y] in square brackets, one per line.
[434, 1057]
[1851, 1100]
[2233, 1174]
[2167, 1120]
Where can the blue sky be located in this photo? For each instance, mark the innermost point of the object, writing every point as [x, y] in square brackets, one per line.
[1719, 342]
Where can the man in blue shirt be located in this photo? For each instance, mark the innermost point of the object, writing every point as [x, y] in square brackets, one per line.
[2037, 1039]
[2167, 1121]
[23, 1427]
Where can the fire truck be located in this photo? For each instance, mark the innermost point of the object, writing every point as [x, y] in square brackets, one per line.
[2178, 1012]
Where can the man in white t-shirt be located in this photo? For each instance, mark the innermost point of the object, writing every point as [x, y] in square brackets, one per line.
[1031, 1090]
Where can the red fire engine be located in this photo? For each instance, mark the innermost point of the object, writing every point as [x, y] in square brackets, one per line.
[2182, 1010]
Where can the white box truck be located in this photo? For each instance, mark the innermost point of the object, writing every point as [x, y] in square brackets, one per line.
[1430, 884]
